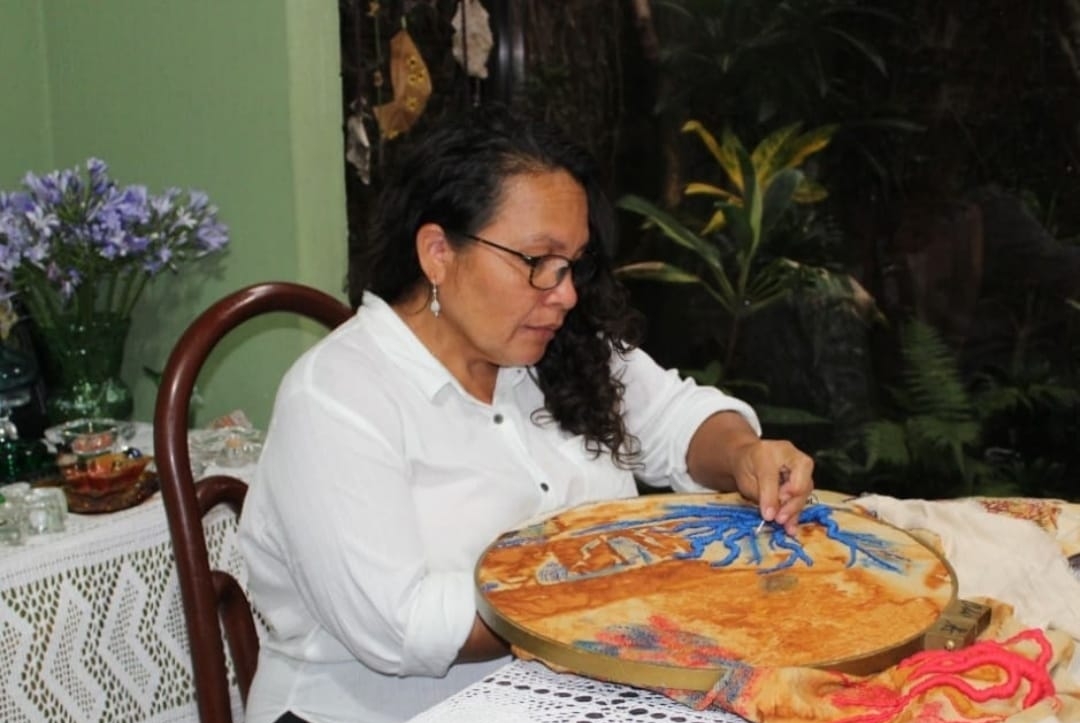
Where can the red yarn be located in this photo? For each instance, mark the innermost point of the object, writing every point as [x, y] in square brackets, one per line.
[941, 668]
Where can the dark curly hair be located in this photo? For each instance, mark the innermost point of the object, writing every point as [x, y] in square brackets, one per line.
[454, 177]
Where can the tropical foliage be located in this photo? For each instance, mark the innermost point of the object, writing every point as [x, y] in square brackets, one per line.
[737, 262]
[938, 435]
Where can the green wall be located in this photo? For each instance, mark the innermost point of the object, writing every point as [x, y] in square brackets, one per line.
[239, 98]
[24, 118]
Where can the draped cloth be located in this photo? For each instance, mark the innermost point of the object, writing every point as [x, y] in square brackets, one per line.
[1011, 673]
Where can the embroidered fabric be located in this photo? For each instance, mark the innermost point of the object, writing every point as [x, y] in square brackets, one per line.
[91, 620]
[529, 692]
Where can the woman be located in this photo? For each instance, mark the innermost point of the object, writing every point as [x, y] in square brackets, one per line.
[489, 376]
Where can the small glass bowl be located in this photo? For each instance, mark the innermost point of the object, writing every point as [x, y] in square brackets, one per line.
[90, 437]
[224, 447]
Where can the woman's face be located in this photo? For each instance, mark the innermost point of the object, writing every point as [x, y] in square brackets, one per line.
[495, 315]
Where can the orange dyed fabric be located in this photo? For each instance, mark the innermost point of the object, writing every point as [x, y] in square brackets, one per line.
[1010, 674]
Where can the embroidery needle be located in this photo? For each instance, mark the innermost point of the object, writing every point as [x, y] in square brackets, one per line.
[785, 475]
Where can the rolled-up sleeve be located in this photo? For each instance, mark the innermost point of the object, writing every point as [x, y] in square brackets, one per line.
[663, 411]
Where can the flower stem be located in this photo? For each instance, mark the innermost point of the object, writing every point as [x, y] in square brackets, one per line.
[84, 302]
[132, 296]
[41, 301]
[110, 293]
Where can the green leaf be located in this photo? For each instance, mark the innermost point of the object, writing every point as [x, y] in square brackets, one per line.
[932, 383]
[809, 191]
[788, 416]
[673, 229]
[778, 196]
[808, 144]
[1054, 395]
[657, 271]
[709, 376]
[865, 49]
[769, 155]
[768, 285]
[738, 226]
[716, 223]
[697, 188]
[1000, 399]
[886, 443]
[731, 160]
[763, 302]
[752, 201]
[706, 137]
[927, 432]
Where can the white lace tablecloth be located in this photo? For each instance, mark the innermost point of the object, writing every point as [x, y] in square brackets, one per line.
[91, 621]
[529, 692]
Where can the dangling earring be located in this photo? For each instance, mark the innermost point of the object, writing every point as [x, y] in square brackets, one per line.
[435, 307]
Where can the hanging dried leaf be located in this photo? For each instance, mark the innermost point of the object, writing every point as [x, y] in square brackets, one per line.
[412, 87]
[476, 38]
[358, 148]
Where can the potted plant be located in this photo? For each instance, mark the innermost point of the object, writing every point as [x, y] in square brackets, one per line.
[76, 252]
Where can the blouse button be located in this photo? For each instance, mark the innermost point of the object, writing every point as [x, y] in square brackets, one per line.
[498, 419]
[544, 486]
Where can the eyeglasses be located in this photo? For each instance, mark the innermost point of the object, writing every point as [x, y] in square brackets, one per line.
[547, 271]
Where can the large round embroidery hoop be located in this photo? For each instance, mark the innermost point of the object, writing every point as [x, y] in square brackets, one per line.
[681, 590]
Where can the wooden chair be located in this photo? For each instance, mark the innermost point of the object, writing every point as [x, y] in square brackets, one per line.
[207, 593]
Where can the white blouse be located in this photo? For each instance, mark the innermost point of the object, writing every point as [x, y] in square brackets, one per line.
[380, 484]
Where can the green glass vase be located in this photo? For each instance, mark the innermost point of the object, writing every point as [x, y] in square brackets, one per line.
[82, 364]
[20, 459]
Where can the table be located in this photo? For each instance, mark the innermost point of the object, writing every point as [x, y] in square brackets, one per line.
[92, 629]
[530, 692]
[91, 620]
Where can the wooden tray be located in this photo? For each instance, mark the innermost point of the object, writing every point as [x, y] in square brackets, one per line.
[670, 590]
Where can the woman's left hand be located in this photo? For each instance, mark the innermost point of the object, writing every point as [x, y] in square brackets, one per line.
[778, 476]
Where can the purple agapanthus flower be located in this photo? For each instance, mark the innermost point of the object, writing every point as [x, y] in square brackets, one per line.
[100, 183]
[212, 236]
[75, 233]
[156, 263]
[46, 189]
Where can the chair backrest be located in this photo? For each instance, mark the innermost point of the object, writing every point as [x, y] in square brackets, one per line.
[207, 593]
